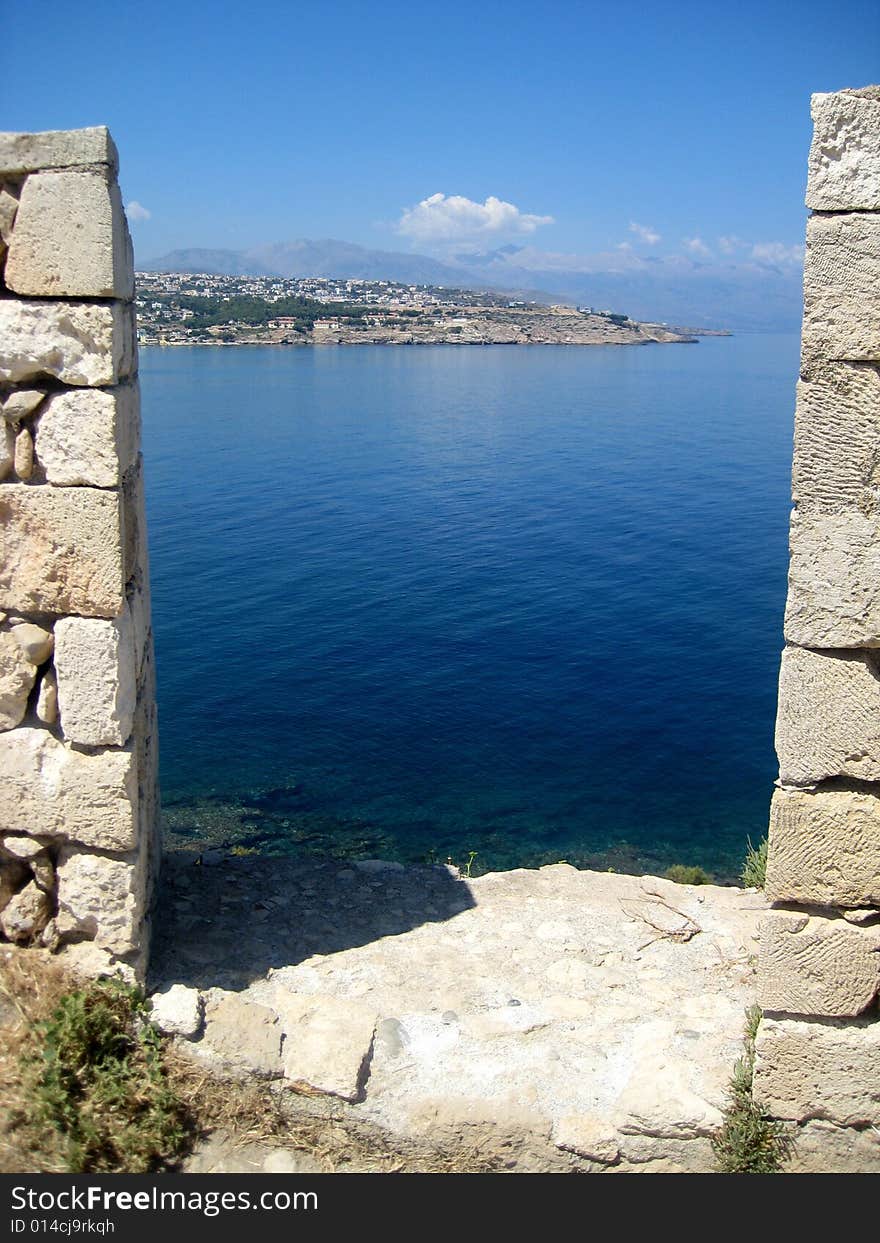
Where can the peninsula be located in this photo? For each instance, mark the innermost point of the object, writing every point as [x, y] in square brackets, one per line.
[176, 308]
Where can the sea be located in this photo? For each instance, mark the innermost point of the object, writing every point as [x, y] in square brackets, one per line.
[499, 605]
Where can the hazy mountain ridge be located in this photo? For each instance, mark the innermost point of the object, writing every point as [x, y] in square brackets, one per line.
[673, 289]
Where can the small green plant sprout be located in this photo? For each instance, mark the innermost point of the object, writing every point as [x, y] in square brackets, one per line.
[466, 870]
[749, 1142]
[686, 874]
[754, 868]
[98, 1080]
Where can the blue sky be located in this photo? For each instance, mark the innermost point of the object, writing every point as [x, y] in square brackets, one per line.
[656, 127]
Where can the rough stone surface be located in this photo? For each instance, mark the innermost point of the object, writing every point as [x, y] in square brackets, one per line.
[101, 899]
[22, 402]
[61, 550]
[817, 965]
[89, 437]
[825, 847]
[844, 160]
[242, 1034]
[70, 238]
[588, 1136]
[23, 456]
[7, 448]
[827, 1069]
[828, 722]
[79, 343]
[824, 1148]
[50, 790]
[34, 641]
[17, 675]
[834, 580]
[46, 706]
[95, 668]
[22, 153]
[178, 1011]
[841, 287]
[837, 438]
[507, 1005]
[8, 208]
[26, 914]
[327, 1041]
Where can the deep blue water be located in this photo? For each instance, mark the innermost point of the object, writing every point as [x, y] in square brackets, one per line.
[520, 600]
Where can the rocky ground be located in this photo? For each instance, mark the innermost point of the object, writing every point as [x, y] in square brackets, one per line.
[548, 1019]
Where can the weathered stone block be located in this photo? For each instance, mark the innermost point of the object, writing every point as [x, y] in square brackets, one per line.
[35, 641]
[61, 550]
[823, 1069]
[834, 579]
[22, 402]
[26, 914]
[101, 899]
[828, 722]
[17, 676]
[837, 438]
[327, 1041]
[178, 1011]
[242, 1034]
[67, 148]
[817, 965]
[83, 344]
[70, 239]
[844, 161]
[842, 288]
[97, 684]
[89, 436]
[824, 847]
[7, 448]
[50, 790]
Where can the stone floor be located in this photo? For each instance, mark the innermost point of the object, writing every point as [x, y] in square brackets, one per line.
[581, 1017]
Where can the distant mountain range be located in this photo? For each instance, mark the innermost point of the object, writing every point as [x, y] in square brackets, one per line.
[743, 295]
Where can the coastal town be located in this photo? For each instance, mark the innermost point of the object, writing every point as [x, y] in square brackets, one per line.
[177, 308]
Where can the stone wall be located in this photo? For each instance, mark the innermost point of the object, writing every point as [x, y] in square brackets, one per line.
[818, 1046]
[78, 798]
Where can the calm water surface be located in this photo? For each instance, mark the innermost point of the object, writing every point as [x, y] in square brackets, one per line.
[525, 601]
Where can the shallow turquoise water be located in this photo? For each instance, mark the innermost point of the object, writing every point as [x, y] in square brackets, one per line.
[421, 601]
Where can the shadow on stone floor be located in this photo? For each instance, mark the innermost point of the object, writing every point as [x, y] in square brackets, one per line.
[227, 922]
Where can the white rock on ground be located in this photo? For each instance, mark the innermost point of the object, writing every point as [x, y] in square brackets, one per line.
[178, 1011]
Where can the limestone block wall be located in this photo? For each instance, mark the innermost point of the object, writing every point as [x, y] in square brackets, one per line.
[818, 1046]
[78, 794]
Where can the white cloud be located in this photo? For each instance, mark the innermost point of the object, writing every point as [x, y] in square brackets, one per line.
[696, 246]
[135, 211]
[454, 218]
[731, 244]
[644, 233]
[777, 253]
